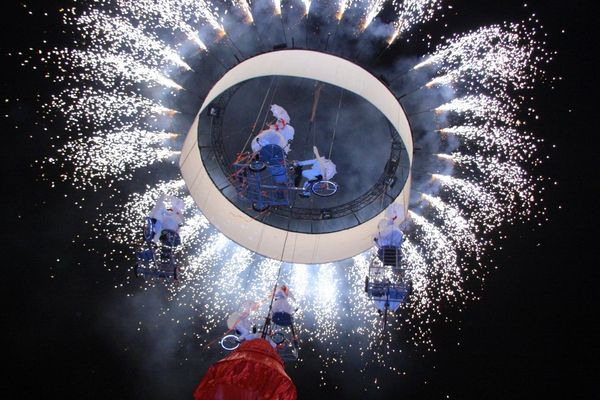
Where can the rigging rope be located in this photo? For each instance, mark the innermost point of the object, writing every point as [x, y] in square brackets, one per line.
[268, 318]
[271, 102]
[258, 115]
[336, 123]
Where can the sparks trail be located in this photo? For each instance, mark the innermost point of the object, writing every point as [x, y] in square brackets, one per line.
[122, 83]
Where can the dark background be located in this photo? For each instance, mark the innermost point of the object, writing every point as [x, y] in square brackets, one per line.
[533, 334]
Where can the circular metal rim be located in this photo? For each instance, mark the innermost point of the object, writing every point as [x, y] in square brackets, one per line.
[322, 194]
[267, 240]
[222, 341]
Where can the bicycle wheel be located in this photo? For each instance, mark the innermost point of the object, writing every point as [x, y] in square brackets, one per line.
[230, 342]
[324, 188]
[257, 207]
[257, 166]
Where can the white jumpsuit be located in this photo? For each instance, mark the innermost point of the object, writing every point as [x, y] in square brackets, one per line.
[313, 172]
[268, 136]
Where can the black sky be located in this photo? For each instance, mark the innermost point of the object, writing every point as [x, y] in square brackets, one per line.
[533, 334]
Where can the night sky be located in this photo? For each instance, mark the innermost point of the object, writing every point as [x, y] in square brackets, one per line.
[70, 331]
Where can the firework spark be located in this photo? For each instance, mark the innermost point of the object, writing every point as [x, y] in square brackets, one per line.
[343, 5]
[245, 8]
[118, 78]
[411, 13]
[495, 59]
[373, 8]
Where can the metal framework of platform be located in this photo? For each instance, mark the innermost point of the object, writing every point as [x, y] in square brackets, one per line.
[296, 247]
[346, 213]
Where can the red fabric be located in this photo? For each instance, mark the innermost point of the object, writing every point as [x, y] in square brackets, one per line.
[253, 371]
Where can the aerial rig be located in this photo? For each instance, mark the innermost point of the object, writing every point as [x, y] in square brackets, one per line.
[251, 190]
[332, 233]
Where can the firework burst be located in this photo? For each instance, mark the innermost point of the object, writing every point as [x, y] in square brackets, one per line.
[128, 73]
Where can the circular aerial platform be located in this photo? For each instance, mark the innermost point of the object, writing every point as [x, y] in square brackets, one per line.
[335, 105]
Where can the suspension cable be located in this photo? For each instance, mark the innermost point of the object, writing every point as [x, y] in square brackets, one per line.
[267, 324]
[337, 115]
[271, 101]
[268, 318]
[258, 115]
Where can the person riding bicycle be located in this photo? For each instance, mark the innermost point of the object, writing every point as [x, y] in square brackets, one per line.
[242, 326]
[321, 168]
[281, 310]
[388, 234]
[279, 133]
[166, 217]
